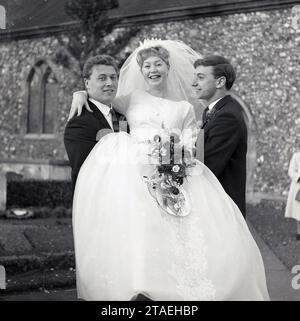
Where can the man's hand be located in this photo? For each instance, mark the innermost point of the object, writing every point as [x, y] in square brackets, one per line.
[79, 100]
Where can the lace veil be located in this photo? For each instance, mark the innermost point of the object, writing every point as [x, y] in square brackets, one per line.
[180, 76]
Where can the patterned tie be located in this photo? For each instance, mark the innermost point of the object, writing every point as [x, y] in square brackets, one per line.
[115, 120]
[208, 113]
[205, 113]
[205, 117]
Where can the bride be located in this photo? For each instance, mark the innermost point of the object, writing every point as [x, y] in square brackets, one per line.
[125, 242]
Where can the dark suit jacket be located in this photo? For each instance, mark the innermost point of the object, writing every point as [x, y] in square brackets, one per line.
[225, 148]
[80, 136]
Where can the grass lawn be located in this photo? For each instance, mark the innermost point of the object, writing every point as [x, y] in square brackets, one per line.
[278, 232]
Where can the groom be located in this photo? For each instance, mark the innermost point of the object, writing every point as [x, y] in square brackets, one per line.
[225, 131]
[82, 132]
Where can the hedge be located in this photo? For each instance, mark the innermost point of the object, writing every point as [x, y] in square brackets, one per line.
[46, 193]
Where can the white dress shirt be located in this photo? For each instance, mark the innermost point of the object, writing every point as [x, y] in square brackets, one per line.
[105, 110]
[212, 105]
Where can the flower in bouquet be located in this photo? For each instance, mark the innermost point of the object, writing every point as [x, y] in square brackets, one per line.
[170, 172]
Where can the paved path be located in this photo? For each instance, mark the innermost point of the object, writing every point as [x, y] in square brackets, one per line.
[53, 295]
[279, 281]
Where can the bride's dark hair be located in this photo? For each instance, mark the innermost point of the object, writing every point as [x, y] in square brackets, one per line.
[158, 51]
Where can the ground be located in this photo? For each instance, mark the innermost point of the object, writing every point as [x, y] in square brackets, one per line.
[46, 262]
[278, 232]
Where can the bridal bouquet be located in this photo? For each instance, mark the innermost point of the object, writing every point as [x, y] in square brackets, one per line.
[172, 162]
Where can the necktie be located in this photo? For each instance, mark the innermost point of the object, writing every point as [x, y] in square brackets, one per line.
[205, 113]
[114, 119]
[204, 117]
[209, 113]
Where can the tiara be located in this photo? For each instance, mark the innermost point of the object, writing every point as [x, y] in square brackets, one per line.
[147, 43]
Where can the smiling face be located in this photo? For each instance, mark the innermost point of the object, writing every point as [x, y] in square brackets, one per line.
[205, 83]
[102, 84]
[155, 72]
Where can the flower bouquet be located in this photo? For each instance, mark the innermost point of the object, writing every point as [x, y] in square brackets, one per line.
[166, 183]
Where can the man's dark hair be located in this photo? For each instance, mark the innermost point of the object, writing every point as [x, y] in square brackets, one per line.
[98, 60]
[221, 67]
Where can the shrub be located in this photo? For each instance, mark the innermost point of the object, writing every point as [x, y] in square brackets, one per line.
[39, 212]
[42, 212]
[39, 193]
[60, 212]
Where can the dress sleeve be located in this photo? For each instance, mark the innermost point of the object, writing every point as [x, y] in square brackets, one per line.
[189, 128]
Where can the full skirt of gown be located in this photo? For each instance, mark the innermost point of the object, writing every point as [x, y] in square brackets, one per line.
[126, 244]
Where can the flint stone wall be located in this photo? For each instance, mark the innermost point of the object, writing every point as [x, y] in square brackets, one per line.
[262, 46]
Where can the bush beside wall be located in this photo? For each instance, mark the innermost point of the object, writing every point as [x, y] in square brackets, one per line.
[35, 193]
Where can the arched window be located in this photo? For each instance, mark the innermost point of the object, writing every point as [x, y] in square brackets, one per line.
[42, 94]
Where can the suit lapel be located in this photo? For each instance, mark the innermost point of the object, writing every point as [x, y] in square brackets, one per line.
[218, 106]
[98, 114]
[104, 123]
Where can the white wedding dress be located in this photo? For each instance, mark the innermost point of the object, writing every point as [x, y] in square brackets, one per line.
[125, 244]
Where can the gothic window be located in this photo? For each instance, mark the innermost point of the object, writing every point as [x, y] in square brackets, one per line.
[42, 93]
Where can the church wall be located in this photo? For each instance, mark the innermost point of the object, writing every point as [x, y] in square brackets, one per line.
[261, 45]
[16, 60]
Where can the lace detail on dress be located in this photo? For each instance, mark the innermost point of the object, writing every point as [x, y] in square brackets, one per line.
[190, 265]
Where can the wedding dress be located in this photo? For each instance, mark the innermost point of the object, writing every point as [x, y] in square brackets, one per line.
[126, 244]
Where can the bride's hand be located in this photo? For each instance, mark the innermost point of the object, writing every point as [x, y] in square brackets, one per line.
[79, 100]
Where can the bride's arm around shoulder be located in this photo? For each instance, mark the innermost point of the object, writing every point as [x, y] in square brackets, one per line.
[121, 103]
[80, 101]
